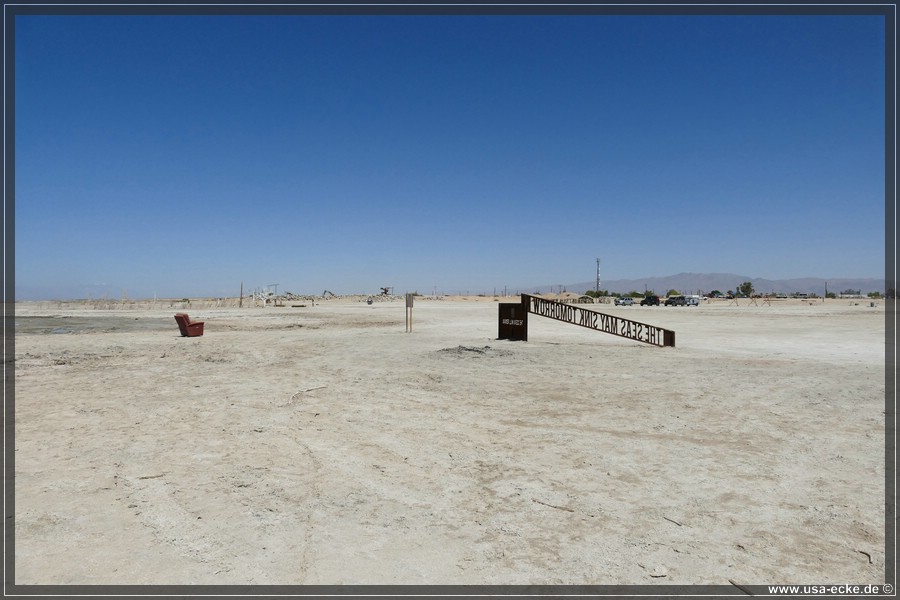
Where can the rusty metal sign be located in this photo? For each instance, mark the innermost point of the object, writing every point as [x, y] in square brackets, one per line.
[577, 315]
[513, 323]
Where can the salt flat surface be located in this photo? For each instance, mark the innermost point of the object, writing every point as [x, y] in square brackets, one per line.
[325, 445]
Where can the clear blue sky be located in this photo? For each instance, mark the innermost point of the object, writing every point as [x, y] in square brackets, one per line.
[183, 155]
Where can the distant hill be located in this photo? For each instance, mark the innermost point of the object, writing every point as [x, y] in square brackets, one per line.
[706, 282]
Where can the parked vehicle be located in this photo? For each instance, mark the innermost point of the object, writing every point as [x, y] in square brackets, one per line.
[624, 301]
[692, 300]
[675, 301]
[651, 300]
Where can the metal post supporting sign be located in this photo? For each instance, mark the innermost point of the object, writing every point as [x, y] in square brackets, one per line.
[409, 307]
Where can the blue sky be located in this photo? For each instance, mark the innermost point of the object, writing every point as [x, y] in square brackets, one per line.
[184, 155]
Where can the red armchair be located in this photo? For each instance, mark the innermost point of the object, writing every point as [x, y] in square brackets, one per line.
[189, 328]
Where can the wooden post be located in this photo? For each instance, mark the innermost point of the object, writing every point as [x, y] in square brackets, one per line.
[241, 301]
[409, 307]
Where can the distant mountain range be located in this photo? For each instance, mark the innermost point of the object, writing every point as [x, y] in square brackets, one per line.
[706, 282]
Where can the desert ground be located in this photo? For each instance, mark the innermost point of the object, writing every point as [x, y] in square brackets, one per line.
[324, 444]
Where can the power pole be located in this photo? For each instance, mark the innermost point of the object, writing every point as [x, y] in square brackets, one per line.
[597, 289]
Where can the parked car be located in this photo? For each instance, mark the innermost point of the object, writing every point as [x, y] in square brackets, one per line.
[675, 301]
[651, 300]
[624, 301]
[692, 301]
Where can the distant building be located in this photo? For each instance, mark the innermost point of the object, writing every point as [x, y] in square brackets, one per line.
[573, 298]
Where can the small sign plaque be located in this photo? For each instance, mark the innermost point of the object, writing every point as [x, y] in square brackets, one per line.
[513, 322]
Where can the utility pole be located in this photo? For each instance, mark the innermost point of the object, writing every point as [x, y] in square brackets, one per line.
[597, 289]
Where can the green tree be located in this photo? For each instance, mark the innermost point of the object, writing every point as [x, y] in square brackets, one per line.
[673, 293]
[831, 295]
[875, 295]
[746, 289]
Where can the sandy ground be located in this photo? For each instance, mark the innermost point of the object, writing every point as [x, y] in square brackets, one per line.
[325, 445]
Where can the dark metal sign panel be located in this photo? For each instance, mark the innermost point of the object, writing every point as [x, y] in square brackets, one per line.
[576, 315]
[513, 322]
